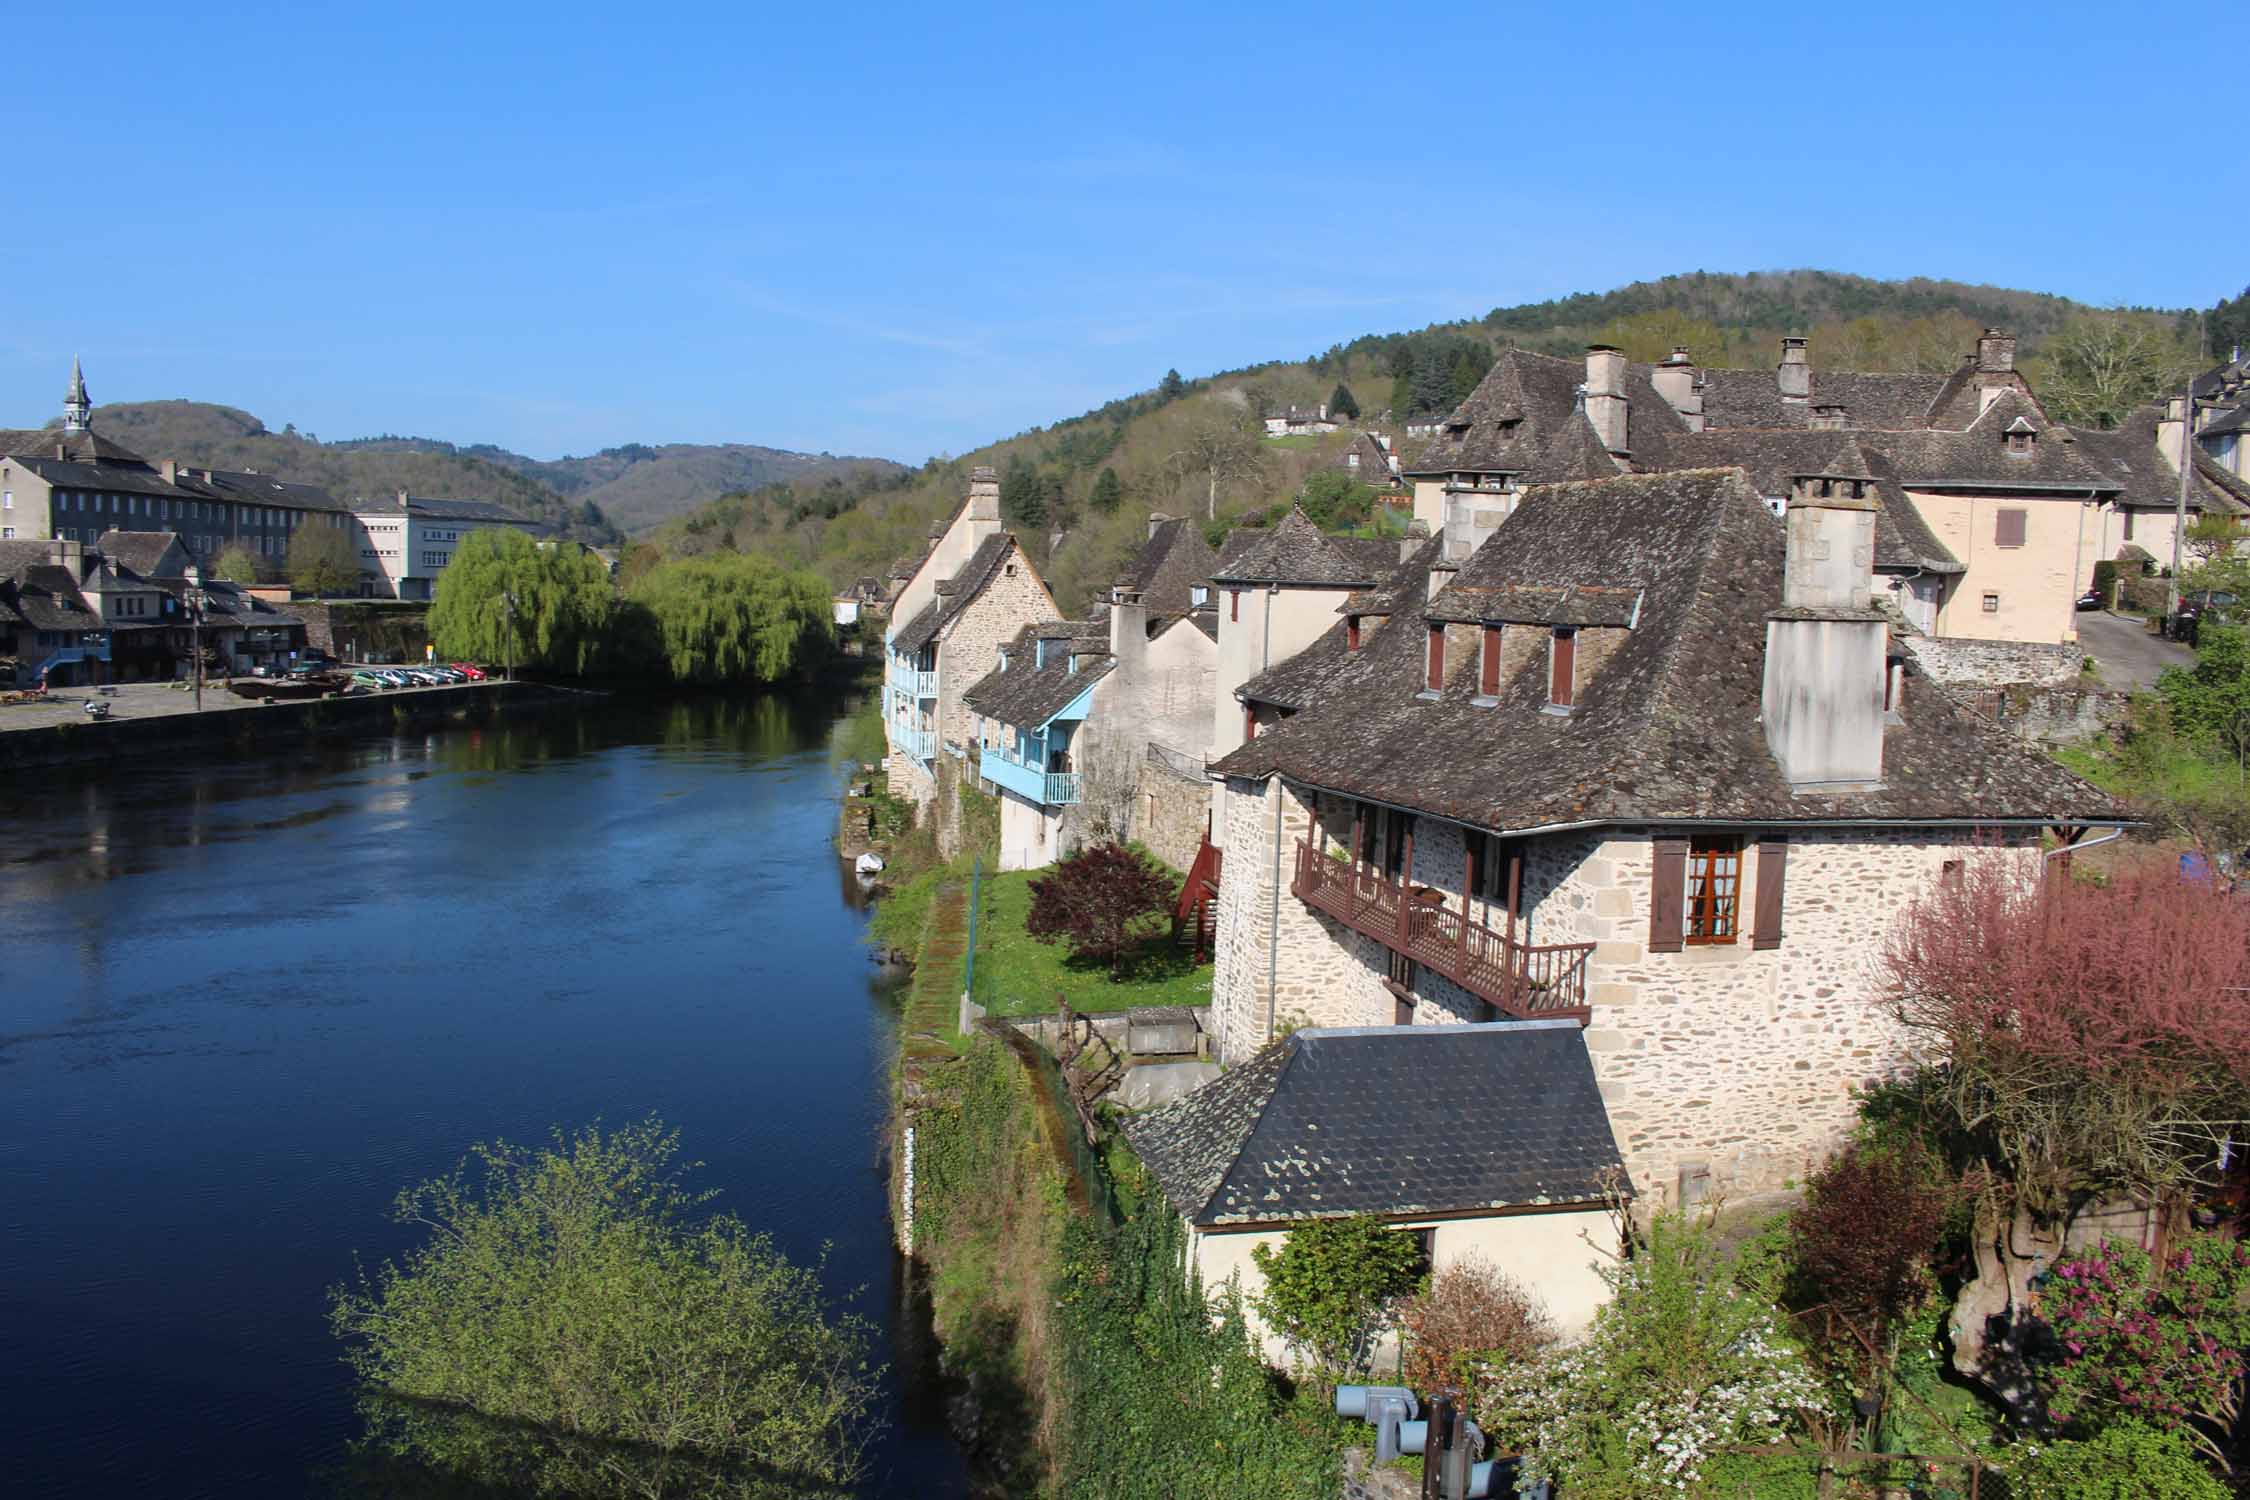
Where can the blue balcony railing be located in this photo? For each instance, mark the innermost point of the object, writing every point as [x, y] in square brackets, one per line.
[911, 683]
[919, 743]
[1046, 788]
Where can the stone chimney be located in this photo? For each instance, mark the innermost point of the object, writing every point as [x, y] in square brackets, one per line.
[1128, 636]
[1795, 374]
[1156, 520]
[1822, 704]
[1417, 532]
[1996, 352]
[984, 503]
[170, 470]
[1605, 395]
[71, 555]
[2171, 431]
[1827, 414]
[1675, 381]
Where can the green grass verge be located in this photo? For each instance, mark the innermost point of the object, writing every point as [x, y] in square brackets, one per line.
[1017, 975]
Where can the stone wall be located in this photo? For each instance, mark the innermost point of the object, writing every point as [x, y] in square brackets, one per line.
[1171, 812]
[1728, 1064]
[970, 647]
[1967, 663]
[2052, 716]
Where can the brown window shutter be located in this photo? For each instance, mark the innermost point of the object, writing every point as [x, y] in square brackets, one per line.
[1249, 723]
[1565, 669]
[1351, 633]
[1765, 921]
[1668, 896]
[1437, 657]
[1234, 604]
[1488, 679]
[2009, 530]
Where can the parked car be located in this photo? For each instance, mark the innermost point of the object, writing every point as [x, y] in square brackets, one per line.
[2091, 599]
[373, 680]
[470, 671]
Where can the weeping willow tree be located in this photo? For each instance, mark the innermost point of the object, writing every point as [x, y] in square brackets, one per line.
[731, 617]
[505, 598]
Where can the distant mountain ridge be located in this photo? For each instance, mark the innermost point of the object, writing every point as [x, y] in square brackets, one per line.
[642, 485]
[597, 499]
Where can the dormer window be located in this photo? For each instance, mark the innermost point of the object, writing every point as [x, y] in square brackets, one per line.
[1198, 595]
[1488, 665]
[1437, 660]
[1351, 632]
[2021, 435]
[1562, 670]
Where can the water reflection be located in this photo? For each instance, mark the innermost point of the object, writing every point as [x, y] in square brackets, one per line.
[250, 1000]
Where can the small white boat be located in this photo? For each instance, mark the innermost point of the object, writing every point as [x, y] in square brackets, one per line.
[869, 863]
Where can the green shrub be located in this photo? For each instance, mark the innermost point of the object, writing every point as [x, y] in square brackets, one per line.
[2129, 1461]
[1329, 1286]
[1165, 1394]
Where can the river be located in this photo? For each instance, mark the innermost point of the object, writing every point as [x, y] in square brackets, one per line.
[246, 1003]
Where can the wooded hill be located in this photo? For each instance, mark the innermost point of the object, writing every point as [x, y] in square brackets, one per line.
[1169, 445]
[640, 486]
[596, 498]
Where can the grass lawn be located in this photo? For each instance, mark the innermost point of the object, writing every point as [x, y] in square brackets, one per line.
[1300, 440]
[1017, 975]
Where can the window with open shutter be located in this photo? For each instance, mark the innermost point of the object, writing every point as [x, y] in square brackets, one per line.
[1714, 890]
[1668, 896]
[2008, 529]
[1437, 658]
[1765, 920]
[1488, 665]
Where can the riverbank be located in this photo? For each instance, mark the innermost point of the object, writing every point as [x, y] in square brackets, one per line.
[149, 720]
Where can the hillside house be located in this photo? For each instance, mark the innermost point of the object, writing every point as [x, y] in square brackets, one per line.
[123, 611]
[1485, 1142]
[2222, 415]
[1300, 421]
[1990, 515]
[972, 592]
[1368, 458]
[1649, 761]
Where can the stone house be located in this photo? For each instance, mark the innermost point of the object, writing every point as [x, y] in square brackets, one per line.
[123, 611]
[1486, 1142]
[2222, 414]
[1067, 718]
[972, 593]
[1300, 421]
[1649, 761]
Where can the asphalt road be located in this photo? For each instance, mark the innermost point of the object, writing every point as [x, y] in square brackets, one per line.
[2127, 655]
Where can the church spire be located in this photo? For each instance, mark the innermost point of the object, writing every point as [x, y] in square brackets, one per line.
[77, 412]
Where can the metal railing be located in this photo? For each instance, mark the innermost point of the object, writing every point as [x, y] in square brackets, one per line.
[1519, 979]
[919, 743]
[1178, 762]
[1062, 788]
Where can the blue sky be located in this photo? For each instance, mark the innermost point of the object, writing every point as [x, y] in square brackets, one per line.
[912, 230]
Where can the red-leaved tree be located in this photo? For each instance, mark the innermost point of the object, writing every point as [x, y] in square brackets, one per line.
[2092, 1047]
[1861, 1247]
[1098, 900]
[2096, 1038]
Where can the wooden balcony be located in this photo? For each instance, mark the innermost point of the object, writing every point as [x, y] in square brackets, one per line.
[1517, 979]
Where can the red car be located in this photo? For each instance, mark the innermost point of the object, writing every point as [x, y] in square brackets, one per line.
[468, 670]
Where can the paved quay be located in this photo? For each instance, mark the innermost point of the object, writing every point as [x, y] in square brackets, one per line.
[158, 700]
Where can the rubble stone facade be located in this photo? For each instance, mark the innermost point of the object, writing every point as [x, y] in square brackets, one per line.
[1726, 1067]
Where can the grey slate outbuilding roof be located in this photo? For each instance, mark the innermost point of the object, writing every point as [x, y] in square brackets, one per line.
[1401, 1121]
[1298, 552]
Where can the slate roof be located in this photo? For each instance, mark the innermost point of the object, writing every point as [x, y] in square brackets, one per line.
[1772, 459]
[1170, 563]
[1526, 403]
[2127, 456]
[1666, 726]
[141, 552]
[1374, 465]
[1028, 696]
[1392, 1120]
[2236, 419]
[1874, 399]
[83, 446]
[1296, 551]
[981, 568]
[251, 488]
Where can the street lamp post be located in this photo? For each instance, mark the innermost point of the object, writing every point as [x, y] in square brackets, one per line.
[511, 603]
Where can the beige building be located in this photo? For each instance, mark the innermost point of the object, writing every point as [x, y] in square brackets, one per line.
[1485, 1142]
[406, 542]
[971, 594]
[1649, 763]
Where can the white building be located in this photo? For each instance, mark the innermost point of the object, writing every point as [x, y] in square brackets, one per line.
[404, 543]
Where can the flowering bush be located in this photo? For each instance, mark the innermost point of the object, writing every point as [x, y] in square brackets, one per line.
[1681, 1364]
[1861, 1248]
[2163, 1346]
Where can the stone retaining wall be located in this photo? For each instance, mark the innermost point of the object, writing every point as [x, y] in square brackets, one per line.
[1968, 663]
